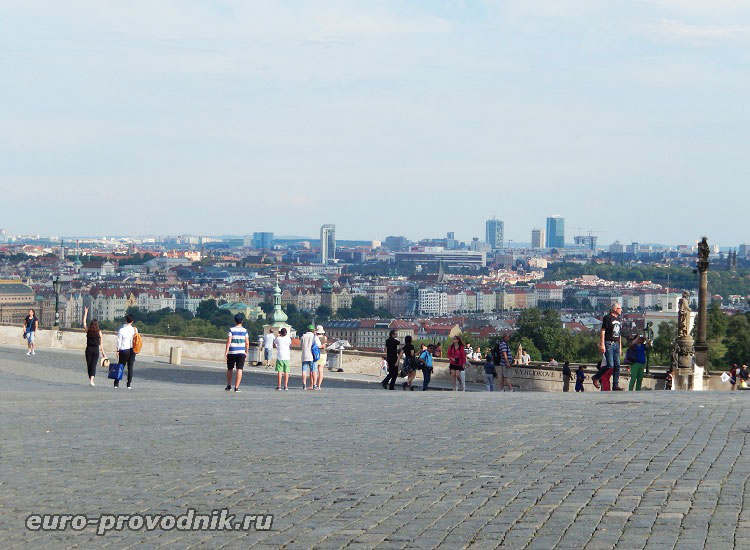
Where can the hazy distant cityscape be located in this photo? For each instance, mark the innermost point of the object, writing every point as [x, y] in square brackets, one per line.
[436, 285]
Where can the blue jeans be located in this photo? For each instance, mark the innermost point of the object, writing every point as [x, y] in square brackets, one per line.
[612, 354]
[427, 373]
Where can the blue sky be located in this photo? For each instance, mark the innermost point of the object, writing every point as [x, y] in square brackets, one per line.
[383, 117]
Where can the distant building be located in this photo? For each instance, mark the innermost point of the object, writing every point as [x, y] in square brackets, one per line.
[434, 255]
[15, 300]
[633, 248]
[537, 238]
[494, 231]
[396, 244]
[556, 232]
[589, 241]
[744, 251]
[327, 243]
[616, 248]
[262, 240]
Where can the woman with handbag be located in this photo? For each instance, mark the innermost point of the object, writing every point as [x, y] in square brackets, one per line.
[93, 346]
[457, 358]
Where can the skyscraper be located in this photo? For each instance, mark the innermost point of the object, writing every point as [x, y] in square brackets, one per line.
[262, 240]
[556, 232]
[537, 238]
[327, 243]
[494, 233]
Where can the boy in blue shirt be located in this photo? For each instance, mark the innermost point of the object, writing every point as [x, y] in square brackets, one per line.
[489, 372]
[425, 360]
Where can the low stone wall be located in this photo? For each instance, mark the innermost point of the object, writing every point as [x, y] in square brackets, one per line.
[536, 376]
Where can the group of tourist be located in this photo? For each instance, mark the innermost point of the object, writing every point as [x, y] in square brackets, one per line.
[312, 346]
[126, 350]
[402, 361]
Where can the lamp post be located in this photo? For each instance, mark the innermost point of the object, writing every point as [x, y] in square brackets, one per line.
[56, 286]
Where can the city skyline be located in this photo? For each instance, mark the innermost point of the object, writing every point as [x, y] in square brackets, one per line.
[608, 114]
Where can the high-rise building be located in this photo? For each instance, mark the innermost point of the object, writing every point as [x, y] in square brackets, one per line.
[556, 232]
[327, 243]
[744, 251]
[396, 244]
[262, 240]
[589, 241]
[537, 238]
[494, 230]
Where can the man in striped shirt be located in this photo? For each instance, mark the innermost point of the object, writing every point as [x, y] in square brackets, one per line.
[238, 346]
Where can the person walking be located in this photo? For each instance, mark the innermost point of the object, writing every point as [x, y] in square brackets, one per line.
[321, 365]
[457, 358]
[268, 340]
[391, 356]
[30, 326]
[567, 376]
[283, 345]
[93, 346]
[637, 362]
[668, 379]
[125, 353]
[504, 358]
[236, 351]
[308, 360]
[580, 377]
[425, 360]
[410, 363]
[489, 372]
[609, 343]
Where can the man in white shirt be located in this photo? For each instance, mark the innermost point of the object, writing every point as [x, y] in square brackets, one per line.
[283, 345]
[268, 347]
[125, 348]
[308, 361]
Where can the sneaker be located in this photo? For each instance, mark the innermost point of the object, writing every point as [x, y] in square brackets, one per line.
[617, 388]
[512, 390]
[237, 390]
[91, 383]
[117, 387]
[385, 386]
[411, 387]
[228, 388]
[33, 353]
[315, 387]
[596, 384]
[130, 388]
[28, 353]
[286, 389]
[278, 388]
[404, 385]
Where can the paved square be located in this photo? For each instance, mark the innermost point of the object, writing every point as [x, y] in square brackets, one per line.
[354, 466]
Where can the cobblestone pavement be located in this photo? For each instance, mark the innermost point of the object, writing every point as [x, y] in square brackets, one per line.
[354, 466]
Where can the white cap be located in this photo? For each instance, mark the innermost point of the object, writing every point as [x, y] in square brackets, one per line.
[319, 330]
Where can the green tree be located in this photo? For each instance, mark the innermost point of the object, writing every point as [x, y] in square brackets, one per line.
[737, 340]
[664, 342]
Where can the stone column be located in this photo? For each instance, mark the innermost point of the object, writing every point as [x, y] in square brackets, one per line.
[701, 346]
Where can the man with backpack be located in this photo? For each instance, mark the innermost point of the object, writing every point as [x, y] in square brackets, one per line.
[310, 345]
[125, 348]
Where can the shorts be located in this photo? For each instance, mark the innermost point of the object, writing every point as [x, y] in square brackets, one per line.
[507, 373]
[308, 366]
[30, 337]
[236, 360]
[456, 367]
[282, 365]
[267, 353]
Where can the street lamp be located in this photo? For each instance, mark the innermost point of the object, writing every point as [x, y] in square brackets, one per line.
[56, 286]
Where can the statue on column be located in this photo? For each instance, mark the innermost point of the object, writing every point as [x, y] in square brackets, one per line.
[703, 251]
[683, 316]
[648, 335]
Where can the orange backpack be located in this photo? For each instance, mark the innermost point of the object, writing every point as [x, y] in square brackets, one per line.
[137, 342]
